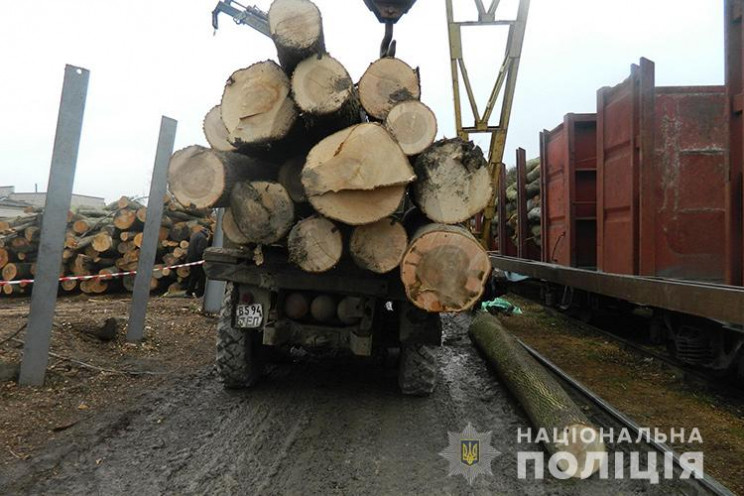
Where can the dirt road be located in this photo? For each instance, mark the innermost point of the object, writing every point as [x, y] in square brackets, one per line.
[313, 427]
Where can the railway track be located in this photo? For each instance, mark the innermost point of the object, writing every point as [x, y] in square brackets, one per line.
[707, 484]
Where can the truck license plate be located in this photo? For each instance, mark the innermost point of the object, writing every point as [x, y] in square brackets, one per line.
[249, 316]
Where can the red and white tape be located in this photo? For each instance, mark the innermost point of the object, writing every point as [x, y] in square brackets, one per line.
[100, 276]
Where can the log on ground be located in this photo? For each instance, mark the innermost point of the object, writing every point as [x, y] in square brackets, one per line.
[546, 403]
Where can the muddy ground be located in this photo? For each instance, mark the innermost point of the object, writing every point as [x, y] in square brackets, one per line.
[314, 426]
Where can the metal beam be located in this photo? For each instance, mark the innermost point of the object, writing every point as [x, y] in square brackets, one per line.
[712, 301]
[214, 290]
[141, 293]
[56, 206]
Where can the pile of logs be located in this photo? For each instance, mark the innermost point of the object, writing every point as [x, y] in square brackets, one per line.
[103, 242]
[303, 159]
[532, 191]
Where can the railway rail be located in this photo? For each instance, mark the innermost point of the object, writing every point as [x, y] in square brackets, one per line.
[707, 484]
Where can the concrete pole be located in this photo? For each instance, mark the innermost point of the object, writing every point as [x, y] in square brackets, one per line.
[141, 293]
[51, 243]
[215, 289]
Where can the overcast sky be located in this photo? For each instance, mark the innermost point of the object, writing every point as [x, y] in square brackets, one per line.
[153, 58]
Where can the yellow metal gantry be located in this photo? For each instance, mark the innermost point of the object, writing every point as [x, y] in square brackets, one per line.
[505, 83]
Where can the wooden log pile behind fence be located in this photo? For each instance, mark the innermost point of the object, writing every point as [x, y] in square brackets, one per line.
[102, 242]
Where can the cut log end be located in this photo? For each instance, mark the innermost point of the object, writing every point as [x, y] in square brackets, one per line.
[379, 247]
[296, 27]
[215, 130]
[315, 244]
[321, 85]
[196, 177]
[453, 182]
[444, 269]
[231, 230]
[413, 125]
[256, 107]
[262, 210]
[386, 83]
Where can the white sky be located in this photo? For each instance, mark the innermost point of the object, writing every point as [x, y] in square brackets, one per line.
[149, 58]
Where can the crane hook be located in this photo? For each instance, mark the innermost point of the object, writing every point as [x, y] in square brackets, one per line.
[387, 47]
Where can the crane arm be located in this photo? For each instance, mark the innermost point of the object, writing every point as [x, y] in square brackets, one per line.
[241, 14]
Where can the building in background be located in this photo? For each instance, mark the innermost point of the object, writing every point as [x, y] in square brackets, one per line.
[13, 204]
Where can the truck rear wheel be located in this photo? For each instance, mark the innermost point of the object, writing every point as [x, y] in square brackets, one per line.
[238, 350]
[417, 371]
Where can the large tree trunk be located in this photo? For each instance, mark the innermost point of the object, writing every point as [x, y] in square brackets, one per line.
[413, 125]
[357, 176]
[262, 210]
[215, 131]
[453, 182]
[256, 107]
[325, 95]
[297, 30]
[200, 177]
[444, 269]
[386, 83]
[379, 247]
[315, 244]
[546, 403]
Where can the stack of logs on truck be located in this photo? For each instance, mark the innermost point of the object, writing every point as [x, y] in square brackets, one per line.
[647, 188]
[101, 242]
[309, 164]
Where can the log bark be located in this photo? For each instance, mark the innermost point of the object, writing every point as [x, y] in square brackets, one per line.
[413, 125]
[262, 210]
[386, 83]
[356, 176]
[256, 107]
[453, 182]
[546, 403]
[200, 177]
[230, 229]
[444, 269]
[315, 245]
[296, 27]
[379, 247]
[215, 131]
[325, 95]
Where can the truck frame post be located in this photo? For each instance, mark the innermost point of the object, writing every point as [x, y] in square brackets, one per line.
[56, 206]
[215, 289]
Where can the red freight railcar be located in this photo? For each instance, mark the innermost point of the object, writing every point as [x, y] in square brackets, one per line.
[568, 161]
[661, 179]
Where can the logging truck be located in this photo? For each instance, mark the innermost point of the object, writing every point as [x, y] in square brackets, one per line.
[271, 305]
